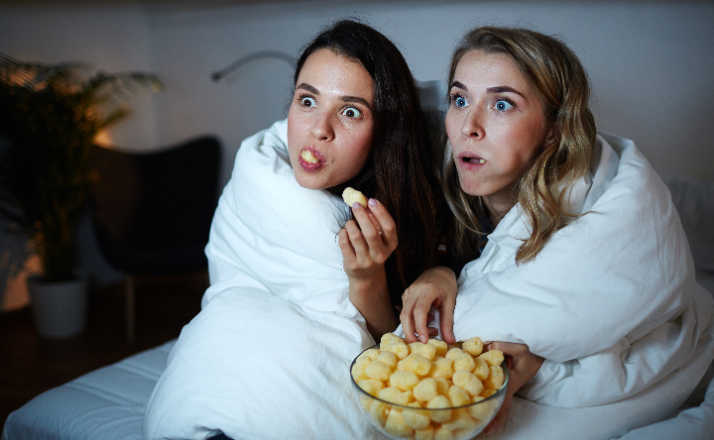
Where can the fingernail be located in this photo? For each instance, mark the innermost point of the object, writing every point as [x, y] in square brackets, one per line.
[372, 203]
[356, 205]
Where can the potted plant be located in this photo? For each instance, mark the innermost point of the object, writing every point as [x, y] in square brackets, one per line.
[50, 116]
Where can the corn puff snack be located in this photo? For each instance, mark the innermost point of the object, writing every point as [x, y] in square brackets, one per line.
[431, 384]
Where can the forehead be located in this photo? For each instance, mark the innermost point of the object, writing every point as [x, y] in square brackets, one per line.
[478, 68]
[332, 73]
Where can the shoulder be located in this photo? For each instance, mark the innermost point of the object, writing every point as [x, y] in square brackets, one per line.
[621, 171]
[267, 143]
[263, 153]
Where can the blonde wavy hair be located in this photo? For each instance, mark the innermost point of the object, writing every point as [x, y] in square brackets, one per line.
[566, 152]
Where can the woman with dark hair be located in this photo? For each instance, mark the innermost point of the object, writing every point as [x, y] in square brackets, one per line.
[398, 169]
[580, 271]
[298, 288]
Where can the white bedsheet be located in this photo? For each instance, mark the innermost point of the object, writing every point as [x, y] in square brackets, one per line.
[107, 403]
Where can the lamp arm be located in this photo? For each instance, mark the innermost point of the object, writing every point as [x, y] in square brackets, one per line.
[262, 54]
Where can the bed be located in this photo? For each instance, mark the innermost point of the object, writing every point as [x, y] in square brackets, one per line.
[109, 403]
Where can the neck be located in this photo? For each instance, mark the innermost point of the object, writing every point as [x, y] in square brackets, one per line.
[498, 206]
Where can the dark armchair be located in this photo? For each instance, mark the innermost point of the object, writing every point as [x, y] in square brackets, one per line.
[152, 211]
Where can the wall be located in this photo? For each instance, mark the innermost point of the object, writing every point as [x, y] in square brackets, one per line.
[650, 62]
[108, 38]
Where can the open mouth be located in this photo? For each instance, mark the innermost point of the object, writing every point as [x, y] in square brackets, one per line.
[471, 159]
[310, 159]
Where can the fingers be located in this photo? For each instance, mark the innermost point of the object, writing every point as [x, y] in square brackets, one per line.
[385, 221]
[416, 310]
[421, 313]
[446, 318]
[358, 243]
[406, 317]
[378, 229]
[509, 348]
[348, 252]
[523, 364]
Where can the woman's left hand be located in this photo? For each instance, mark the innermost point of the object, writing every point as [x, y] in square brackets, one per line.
[523, 366]
[367, 241]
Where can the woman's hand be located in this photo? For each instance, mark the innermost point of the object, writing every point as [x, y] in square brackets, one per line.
[523, 366]
[366, 243]
[434, 289]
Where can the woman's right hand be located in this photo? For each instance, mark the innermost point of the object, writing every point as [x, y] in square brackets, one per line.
[434, 289]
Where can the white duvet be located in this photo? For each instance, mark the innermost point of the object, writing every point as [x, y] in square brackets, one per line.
[268, 355]
[610, 302]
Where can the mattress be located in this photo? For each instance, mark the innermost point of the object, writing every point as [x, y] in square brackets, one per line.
[107, 403]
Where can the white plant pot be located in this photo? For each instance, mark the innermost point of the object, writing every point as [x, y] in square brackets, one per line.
[59, 308]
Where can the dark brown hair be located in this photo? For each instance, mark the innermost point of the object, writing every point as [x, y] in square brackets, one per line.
[400, 171]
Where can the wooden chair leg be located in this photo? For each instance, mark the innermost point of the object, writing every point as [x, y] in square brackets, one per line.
[130, 310]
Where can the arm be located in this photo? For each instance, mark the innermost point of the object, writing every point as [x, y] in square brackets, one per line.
[522, 366]
[366, 243]
[435, 288]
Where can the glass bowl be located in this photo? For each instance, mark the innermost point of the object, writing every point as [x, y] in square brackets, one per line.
[413, 421]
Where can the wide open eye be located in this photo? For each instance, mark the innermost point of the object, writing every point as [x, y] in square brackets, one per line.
[459, 101]
[351, 112]
[308, 101]
[503, 105]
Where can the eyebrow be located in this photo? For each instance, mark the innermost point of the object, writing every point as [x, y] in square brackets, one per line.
[357, 99]
[495, 89]
[347, 98]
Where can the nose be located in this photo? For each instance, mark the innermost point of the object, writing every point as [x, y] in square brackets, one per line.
[322, 127]
[473, 127]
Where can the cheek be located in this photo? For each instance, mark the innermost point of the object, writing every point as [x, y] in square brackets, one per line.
[452, 126]
[295, 129]
[531, 146]
[525, 139]
[359, 146]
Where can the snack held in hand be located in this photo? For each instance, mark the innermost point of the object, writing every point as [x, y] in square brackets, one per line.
[352, 196]
[430, 391]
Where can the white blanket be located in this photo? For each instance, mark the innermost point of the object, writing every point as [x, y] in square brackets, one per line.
[268, 355]
[610, 302]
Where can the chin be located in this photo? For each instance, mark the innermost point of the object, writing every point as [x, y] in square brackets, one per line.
[471, 189]
[309, 183]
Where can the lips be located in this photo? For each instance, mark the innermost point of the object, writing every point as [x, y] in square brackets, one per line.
[470, 160]
[310, 159]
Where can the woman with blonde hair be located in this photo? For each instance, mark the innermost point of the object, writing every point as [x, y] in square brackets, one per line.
[577, 268]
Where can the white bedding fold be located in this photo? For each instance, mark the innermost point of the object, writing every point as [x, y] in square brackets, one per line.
[269, 353]
[610, 302]
[270, 232]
